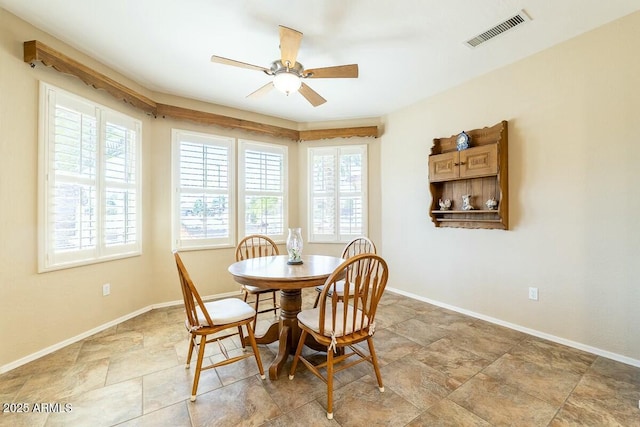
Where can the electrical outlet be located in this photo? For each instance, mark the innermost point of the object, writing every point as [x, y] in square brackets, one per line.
[533, 294]
[106, 289]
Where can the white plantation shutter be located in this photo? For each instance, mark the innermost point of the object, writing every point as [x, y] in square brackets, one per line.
[120, 184]
[204, 214]
[72, 181]
[89, 186]
[337, 193]
[262, 189]
[351, 195]
[323, 167]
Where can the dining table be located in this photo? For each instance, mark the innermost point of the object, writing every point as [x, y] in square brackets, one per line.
[274, 272]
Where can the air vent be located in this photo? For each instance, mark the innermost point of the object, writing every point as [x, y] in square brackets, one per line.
[507, 25]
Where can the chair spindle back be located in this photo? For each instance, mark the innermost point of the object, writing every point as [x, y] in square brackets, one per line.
[191, 296]
[365, 277]
[359, 245]
[255, 246]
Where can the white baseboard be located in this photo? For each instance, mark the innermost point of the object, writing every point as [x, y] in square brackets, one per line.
[86, 334]
[535, 333]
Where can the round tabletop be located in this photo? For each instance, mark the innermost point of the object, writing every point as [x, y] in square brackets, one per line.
[273, 272]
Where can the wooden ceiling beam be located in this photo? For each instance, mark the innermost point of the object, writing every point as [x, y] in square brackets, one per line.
[364, 131]
[37, 51]
[205, 118]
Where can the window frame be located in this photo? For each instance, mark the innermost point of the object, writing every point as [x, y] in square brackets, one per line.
[49, 259]
[228, 143]
[337, 151]
[265, 147]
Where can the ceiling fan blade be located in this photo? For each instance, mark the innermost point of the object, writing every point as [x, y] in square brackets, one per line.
[339, 72]
[261, 92]
[289, 45]
[311, 95]
[233, 62]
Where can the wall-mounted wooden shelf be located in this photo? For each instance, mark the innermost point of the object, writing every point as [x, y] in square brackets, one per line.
[480, 171]
[471, 212]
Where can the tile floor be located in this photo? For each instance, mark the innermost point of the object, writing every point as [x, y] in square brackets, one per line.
[440, 368]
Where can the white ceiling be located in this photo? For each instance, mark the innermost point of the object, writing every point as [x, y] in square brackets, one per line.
[406, 50]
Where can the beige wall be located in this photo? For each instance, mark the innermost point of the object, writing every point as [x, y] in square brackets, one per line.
[40, 312]
[574, 149]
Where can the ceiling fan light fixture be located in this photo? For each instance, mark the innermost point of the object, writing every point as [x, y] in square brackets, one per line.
[287, 73]
[287, 82]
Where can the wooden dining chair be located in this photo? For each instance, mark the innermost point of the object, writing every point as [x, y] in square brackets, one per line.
[340, 323]
[254, 246]
[359, 245]
[214, 321]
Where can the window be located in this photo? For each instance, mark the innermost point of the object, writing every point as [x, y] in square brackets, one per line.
[337, 193]
[262, 200]
[204, 203]
[89, 192]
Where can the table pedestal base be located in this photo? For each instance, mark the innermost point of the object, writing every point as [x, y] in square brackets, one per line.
[286, 331]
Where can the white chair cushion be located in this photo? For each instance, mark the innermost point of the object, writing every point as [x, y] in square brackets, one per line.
[339, 288]
[311, 319]
[257, 290]
[224, 311]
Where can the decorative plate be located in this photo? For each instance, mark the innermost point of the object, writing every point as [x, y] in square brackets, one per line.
[462, 141]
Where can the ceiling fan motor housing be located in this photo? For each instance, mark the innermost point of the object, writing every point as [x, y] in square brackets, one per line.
[278, 67]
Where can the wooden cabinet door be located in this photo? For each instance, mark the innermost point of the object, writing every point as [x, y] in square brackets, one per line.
[479, 161]
[443, 167]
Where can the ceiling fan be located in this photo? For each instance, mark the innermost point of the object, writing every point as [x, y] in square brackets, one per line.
[288, 73]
